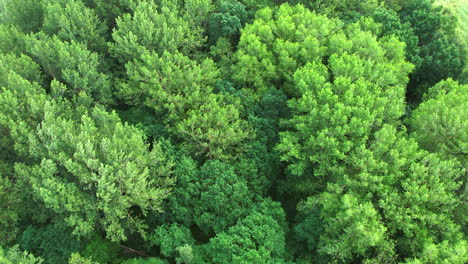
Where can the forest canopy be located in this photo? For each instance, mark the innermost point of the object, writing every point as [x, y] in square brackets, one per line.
[233, 131]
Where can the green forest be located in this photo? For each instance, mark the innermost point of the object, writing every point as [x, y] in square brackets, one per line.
[233, 131]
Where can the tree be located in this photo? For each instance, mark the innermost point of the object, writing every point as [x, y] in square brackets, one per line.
[439, 123]
[14, 255]
[109, 10]
[135, 34]
[71, 63]
[342, 104]
[180, 91]
[348, 11]
[27, 15]
[351, 227]
[101, 250]
[53, 242]
[257, 238]
[392, 173]
[170, 238]
[393, 25]
[196, 12]
[345, 106]
[439, 126]
[279, 42]
[73, 21]
[144, 261]
[231, 131]
[23, 107]
[440, 54]
[213, 198]
[76, 258]
[169, 83]
[22, 65]
[13, 40]
[442, 253]
[106, 172]
[227, 21]
[10, 210]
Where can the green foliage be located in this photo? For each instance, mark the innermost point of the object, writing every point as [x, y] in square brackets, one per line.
[101, 250]
[73, 64]
[392, 25]
[257, 238]
[10, 210]
[269, 53]
[27, 15]
[23, 105]
[109, 10]
[12, 39]
[170, 82]
[341, 103]
[412, 179]
[104, 164]
[104, 157]
[142, 31]
[22, 65]
[214, 130]
[76, 258]
[15, 256]
[144, 261]
[196, 12]
[227, 21]
[348, 11]
[53, 242]
[439, 124]
[233, 131]
[441, 55]
[170, 237]
[358, 227]
[442, 253]
[180, 90]
[213, 198]
[73, 21]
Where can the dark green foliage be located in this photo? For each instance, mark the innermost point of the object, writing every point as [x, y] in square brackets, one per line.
[53, 242]
[227, 21]
[348, 11]
[101, 250]
[441, 55]
[10, 210]
[308, 230]
[213, 198]
[109, 10]
[392, 25]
